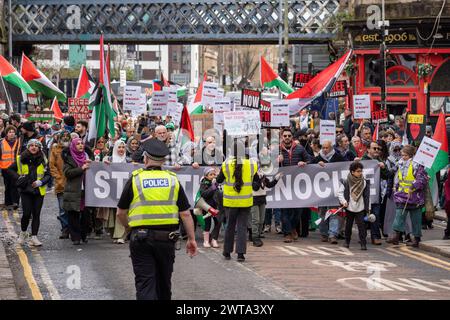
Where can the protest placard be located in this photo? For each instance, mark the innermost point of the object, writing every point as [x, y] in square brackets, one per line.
[427, 152]
[250, 98]
[41, 116]
[415, 129]
[300, 79]
[159, 104]
[238, 123]
[123, 78]
[209, 94]
[339, 89]
[132, 98]
[175, 111]
[361, 106]
[327, 131]
[79, 108]
[380, 116]
[221, 106]
[264, 113]
[279, 113]
[220, 93]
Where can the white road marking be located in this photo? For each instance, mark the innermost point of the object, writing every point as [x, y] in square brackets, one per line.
[262, 284]
[45, 277]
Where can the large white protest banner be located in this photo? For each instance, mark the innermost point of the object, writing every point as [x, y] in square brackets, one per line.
[159, 104]
[361, 106]
[327, 131]
[279, 113]
[239, 123]
[311, 186]
[132, 98]
[220, 107]
[209, 94]
[427, 152]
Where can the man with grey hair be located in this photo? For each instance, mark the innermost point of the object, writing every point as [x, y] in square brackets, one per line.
[329, 228]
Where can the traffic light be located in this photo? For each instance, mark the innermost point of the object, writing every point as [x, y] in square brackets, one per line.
[376, 73]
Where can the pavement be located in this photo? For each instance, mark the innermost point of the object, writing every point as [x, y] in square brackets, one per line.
[7, 287]
[441, 247]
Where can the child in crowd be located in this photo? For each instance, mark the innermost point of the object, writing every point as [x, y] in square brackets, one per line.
[354, 195]
[210, 193]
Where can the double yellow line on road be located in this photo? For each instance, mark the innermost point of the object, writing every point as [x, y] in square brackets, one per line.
[27, 270]
[425, 258]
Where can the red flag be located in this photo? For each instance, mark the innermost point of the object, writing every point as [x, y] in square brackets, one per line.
[56, 110]
[375, 133]
[186, 123]
[85, 84]
[157, 85]
[323, 82]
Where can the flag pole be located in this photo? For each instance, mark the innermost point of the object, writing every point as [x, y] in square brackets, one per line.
[9, 110]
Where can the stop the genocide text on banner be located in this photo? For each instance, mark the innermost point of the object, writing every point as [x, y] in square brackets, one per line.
[310, 186]
[79, 108]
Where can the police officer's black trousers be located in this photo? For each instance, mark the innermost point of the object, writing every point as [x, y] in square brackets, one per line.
[153, 266]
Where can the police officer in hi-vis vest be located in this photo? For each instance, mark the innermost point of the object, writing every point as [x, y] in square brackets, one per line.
[151, 203]
[237, 173]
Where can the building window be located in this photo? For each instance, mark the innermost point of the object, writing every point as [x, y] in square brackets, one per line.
[400, 70]
[47, 54]
[440, 89]
[64, 54]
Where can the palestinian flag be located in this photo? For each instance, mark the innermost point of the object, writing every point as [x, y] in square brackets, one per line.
[375, 133]
[9, 74]
[56, 110]
[196, 107]
[441, 161]
[270, 79]
[85, 84]
[314, 216]
[100, 101]
[38, 81]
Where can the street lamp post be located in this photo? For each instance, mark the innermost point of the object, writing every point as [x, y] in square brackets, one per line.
[10, 55]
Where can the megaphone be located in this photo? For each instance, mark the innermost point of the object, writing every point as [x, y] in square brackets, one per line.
[202, 205]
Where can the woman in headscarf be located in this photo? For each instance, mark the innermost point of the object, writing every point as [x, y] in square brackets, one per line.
[112, 224]
[32, 174]
[76, 162]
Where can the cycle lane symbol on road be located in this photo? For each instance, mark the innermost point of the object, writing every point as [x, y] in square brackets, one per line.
[362, 266]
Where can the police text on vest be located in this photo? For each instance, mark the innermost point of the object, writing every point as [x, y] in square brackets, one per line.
[155, 183]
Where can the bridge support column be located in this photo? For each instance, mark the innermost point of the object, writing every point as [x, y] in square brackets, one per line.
[3, 35]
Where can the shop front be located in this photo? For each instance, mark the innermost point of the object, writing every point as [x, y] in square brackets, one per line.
[417, 66]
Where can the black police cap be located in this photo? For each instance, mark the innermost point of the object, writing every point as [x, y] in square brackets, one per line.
[155, 149]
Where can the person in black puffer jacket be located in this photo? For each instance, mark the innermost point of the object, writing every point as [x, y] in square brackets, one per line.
[32, 173]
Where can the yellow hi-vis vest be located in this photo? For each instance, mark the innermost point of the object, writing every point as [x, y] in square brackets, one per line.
[22, 169]
[231, 198]
[155, 195]
[406, 182]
